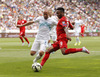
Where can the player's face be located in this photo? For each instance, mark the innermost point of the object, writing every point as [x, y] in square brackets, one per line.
[59, 14]
[45, 15]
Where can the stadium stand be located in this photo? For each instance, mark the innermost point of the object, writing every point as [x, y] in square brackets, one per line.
[89, 12]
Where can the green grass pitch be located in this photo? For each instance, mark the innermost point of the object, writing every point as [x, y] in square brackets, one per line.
[15, 60]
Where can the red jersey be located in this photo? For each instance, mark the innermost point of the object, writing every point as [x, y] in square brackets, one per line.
[63, 22]
[21, 22]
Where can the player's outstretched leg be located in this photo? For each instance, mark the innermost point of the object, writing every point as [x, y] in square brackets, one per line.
[74, 50]
[45, 58]
[47, 54]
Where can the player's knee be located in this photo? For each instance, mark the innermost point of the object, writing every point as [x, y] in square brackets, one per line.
[63, 52]
[50, 50]
[41, 53]
[32, 53]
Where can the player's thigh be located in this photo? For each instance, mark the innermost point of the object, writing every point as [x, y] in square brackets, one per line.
[22, 34]
[76, 33]
[56, 46]
[50, 49]
[63, 43]
[35, 46]
[43, 45]
[54, 37]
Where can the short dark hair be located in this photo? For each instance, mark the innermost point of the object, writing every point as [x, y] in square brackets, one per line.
[61, 9]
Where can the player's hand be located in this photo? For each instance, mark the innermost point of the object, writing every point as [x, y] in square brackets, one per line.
[68, 38]
[73, 23]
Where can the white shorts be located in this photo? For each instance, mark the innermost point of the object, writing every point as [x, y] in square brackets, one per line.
[77, 32]
[53, 37]
[39, 45]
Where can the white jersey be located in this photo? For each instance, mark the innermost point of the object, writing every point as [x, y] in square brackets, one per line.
[53, 29]
[77, 27]
[44, 27]
[77, 24]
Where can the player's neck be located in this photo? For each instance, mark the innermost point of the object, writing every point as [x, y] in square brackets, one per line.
[61, 16]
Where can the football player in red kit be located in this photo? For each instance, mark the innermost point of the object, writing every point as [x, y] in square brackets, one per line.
[82, 30]
[22, 30]
[62, 38]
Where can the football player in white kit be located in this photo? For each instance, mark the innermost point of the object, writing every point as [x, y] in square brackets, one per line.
[41, 41]
[77, 28]
[53, 35]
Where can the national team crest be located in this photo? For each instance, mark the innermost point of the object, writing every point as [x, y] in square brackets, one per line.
[63, 23]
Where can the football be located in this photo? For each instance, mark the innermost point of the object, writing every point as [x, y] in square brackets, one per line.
[36, 67]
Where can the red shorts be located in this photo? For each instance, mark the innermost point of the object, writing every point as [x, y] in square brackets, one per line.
[82, 31]
[22, 34]
[61, 43]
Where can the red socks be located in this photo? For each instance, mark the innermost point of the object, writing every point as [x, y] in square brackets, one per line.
[73, 50]
[22, 39]
[27, 40]
[68, 51]
[46, 56]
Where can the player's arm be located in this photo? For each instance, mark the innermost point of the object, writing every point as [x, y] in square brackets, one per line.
[64, 25]
[26, 24]
[55, 22]
[30, 22]
[70, 25]
[68, 38]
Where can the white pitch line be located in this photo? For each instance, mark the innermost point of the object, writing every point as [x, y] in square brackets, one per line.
[0, 48]
[94, 51]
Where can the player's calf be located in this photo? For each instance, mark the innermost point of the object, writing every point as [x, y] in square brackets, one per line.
[63, 51]
[40, 54]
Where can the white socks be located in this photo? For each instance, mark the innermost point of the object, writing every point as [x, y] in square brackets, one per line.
[77, 39]
[37, 58]
[49, 44]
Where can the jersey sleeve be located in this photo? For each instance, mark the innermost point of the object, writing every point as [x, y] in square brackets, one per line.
[17, 23]
[54, 22]
[70, 25]
[66, 24]
[81, 22]
[37, 19]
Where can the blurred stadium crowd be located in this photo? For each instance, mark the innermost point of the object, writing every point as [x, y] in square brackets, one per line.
[89, 12]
